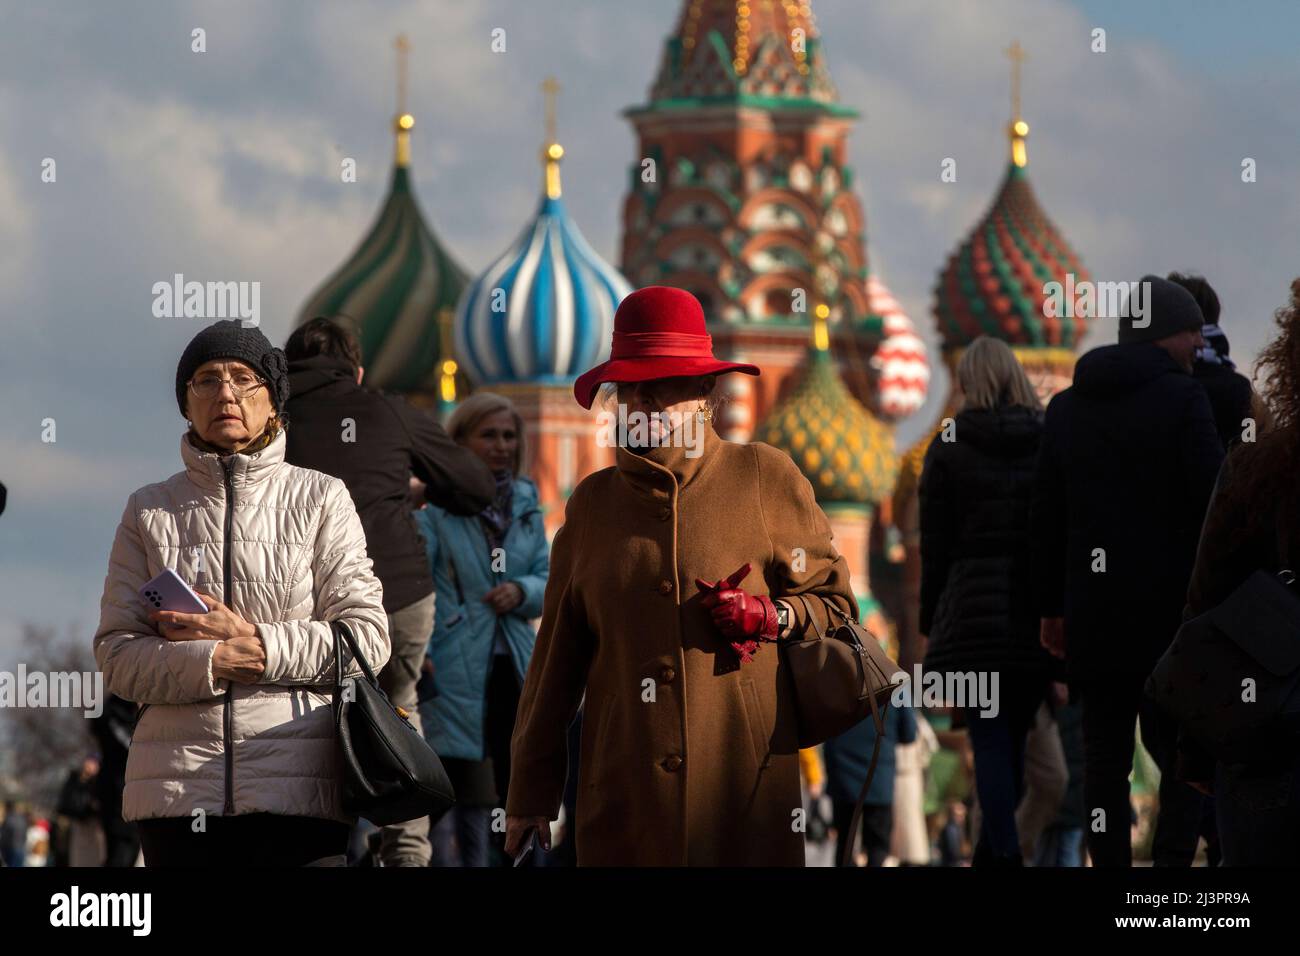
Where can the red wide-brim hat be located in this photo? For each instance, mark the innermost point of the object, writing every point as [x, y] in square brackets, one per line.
[659, 332]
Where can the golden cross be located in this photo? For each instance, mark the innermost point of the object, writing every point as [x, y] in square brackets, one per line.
[1017, 55]
[549, 89]
[403, 47]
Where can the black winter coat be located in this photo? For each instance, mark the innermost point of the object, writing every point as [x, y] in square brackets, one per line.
[1128, 461]
[977, 601]
[1229, 393]
[392, 440]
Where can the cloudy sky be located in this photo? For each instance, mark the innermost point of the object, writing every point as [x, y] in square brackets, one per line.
[224, 165]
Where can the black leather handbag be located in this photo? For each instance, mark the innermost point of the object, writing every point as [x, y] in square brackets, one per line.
[390, 774]
[1232, 675]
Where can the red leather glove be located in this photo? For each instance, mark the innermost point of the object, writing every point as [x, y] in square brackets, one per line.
[743, 618]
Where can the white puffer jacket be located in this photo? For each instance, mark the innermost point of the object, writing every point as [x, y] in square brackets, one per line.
[283, 546]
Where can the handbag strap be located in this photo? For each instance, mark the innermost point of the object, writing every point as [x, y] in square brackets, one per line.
[341, 629]
[851, 835]
[879, 721]
[836, 608]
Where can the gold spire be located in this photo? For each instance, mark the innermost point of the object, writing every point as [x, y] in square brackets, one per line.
[552, 152]
[404, 122]
[821, 338]
[447, 380]
[1018, 129]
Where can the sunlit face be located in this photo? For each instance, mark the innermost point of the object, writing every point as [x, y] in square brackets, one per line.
[222, 419]
[495, 439]
[665, 401]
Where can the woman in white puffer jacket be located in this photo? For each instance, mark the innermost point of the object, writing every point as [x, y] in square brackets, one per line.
[234, 759]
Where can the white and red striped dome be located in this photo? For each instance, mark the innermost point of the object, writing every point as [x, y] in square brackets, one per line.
[900, 362]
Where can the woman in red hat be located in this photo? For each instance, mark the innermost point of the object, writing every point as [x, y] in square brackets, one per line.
[674, 576]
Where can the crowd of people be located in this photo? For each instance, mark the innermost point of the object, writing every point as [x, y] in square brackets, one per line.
[1061, 550]
[609, 697]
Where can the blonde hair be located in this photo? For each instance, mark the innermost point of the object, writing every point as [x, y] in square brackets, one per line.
[471, 412]
[989, 376]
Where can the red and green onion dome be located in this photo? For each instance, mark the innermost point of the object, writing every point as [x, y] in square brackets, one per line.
[394, 287]
[993, 284]
[845, 452]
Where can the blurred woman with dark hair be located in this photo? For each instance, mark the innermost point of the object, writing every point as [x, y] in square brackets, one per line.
[1253, 523]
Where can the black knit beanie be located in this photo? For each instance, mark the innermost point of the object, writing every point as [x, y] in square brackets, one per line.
[230, 339]
[1169, 307]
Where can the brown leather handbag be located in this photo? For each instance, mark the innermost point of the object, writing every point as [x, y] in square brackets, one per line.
[839, 680]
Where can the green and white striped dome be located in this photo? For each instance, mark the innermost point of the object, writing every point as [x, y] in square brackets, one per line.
[394, 286]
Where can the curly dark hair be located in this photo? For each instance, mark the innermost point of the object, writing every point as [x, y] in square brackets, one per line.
[1265, 470]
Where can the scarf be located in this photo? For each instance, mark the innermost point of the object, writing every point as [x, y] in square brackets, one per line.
[1215, 350]
[495, 518]
[268, 435]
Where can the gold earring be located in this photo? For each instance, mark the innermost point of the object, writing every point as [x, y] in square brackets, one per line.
[703, 414]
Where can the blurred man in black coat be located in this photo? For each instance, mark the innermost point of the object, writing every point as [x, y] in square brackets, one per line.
[374, 442]
[1230, 394]
[1129, 457]
[114, 729]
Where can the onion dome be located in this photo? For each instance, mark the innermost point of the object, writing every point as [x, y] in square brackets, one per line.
[544, 311]
[395, 284]
[846, 453]
[993, 284]
[900, 363]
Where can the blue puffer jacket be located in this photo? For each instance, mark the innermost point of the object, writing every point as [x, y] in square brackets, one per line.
[464, 627]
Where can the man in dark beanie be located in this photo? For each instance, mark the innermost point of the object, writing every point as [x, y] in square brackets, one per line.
[1230, 392]
[1128, 459]
[374, 442]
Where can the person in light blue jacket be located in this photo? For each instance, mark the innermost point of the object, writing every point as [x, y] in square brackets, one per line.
[489, 573]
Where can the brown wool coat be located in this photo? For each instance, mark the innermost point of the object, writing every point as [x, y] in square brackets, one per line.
[687, 757]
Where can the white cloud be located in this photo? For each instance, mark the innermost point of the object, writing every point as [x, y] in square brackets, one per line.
[15, 207]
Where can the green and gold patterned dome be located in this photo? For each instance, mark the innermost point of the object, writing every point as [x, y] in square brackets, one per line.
[843, 450]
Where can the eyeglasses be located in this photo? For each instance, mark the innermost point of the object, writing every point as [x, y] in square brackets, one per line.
[209, 386]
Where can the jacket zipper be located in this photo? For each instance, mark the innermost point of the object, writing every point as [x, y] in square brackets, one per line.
[228, 708]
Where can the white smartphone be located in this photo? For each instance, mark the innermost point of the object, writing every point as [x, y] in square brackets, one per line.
[529, 846]
[167, 592]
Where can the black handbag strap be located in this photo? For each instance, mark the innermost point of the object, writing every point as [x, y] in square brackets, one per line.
[341, 629]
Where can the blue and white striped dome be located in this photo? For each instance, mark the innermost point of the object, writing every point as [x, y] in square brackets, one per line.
[553, 316]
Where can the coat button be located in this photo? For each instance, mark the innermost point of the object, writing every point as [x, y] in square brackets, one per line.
[665, 586]
[665, 513]
[671, 763]
[666, 675]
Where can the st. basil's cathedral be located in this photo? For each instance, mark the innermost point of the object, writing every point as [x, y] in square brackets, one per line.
[740, 192]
